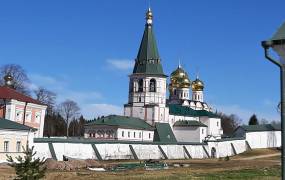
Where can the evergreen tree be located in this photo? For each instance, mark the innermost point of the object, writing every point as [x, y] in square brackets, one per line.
[28, 167]
[253, 120]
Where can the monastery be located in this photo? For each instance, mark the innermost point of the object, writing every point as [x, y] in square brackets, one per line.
[154, 126]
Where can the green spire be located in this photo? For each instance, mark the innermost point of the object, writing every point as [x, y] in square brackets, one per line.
[148, 60]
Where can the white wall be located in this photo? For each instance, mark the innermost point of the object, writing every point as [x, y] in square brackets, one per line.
[264, 139]
[214, 126]
[189, 134]
[145, 135]
[143, 151]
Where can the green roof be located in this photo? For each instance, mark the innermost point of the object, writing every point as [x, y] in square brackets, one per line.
[163, 133]
[189, 123]
[179, 110]
[11, 125]
[280, 34]
[262, 127]
[148, 60]
[122, 121]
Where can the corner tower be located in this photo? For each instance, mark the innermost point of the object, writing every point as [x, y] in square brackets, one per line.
[147, 85]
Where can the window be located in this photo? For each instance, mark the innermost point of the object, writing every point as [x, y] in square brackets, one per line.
[140, 99]
[174, 91]
[202, 131]
[218, 123]
[18, 146]
[152, 85]
[140, 135]
[123, 133]
[6, 146]
[141, 85]
[149, 135]
[134, 134]
[90, 135]
[129, 134]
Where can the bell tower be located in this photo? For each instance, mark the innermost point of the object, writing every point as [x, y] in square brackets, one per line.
[147, 85]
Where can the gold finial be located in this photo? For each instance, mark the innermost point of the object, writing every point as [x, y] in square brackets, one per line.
[9, 80]
[149, 16]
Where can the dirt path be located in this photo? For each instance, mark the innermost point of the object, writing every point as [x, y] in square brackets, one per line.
[260, 156]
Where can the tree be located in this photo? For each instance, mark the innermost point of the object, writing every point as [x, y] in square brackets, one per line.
[46, 97]
[253, 120]
[19, 75]
[29, 167]
[229, 123]
[81, 124]
[68, 110]
[54, 125]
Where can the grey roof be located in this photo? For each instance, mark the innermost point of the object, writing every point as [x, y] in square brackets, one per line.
[11, 125]
[262, 127]
[121, 121]
[189, 123]
[280, 34]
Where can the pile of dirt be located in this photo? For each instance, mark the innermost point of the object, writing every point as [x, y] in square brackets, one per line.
[70, 165]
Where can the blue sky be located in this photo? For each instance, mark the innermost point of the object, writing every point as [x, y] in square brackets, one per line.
[84, 50]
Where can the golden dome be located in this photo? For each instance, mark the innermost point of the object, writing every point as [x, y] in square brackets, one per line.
[179, 79]
[197, 85]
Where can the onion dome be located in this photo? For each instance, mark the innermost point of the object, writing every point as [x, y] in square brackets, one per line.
[179, 79]
[197, 85]
[9, 80]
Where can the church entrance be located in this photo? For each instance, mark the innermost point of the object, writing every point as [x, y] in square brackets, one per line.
[213, 153]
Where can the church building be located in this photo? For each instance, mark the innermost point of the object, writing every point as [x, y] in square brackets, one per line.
[149, 115]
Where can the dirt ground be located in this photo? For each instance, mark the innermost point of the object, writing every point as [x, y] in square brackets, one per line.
[257, 164]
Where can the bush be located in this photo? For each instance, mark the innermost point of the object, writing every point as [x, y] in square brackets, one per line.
[227, 158]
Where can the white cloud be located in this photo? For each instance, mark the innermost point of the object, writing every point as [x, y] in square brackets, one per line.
[121, 64]
[85, 99]
[245, 114]
[91, 111]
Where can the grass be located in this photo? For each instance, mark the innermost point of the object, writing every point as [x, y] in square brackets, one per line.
[177, 174]
[264, 173]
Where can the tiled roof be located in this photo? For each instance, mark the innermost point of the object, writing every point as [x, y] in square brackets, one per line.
[179, 110]
[262, 127]
[189, 123]
[122, 121]
[7, 124]
[9, 93]
[164, 133]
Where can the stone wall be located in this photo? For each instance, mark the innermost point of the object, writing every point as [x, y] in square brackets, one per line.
[88, 149]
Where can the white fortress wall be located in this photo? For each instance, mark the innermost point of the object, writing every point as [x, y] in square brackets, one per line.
[174, 151]
[82, 149]
[147, 151]
[114, 151]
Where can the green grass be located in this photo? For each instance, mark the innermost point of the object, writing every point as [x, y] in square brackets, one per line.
[264, 173]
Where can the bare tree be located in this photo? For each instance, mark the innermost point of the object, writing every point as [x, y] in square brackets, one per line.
[19, 75]
[46, 97]
[68, 110]
[229, 123]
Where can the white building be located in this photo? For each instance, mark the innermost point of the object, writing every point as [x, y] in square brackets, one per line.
[260, 136]
[20, 108]
[13, 136]
[184, 115]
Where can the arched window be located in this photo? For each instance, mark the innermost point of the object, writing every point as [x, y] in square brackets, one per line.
[140, 85]
[152, 85]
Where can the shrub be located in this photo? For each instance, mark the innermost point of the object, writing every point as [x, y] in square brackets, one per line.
[28, 167]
